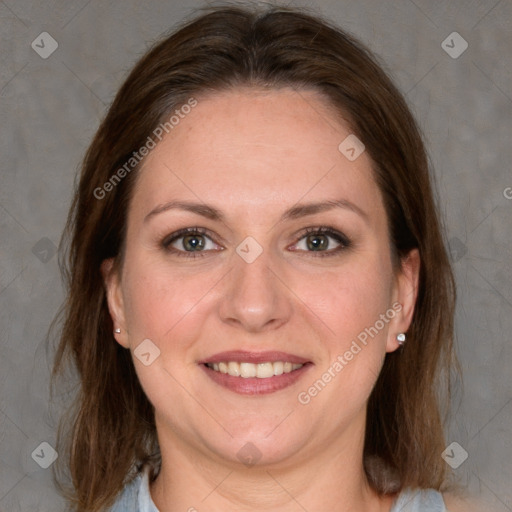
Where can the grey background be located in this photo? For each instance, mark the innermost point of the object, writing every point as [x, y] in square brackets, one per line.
[50, 109]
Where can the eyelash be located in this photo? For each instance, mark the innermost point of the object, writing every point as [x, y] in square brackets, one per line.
[322, 230]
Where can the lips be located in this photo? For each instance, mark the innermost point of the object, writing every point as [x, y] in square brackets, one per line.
[250, 384]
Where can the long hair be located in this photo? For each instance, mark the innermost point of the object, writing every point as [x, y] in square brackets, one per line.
[109, 433]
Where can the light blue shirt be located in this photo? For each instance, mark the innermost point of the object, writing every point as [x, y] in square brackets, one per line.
[136, 497]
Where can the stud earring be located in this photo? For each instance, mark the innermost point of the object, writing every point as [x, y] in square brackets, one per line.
[117, 330]
[400, 338]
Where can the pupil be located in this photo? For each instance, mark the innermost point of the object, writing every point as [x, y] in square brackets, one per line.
[316, 242]
[194, 242]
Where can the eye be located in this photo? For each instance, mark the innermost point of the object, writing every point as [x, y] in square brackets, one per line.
[196, 242]
[189, 242]
[319, 239]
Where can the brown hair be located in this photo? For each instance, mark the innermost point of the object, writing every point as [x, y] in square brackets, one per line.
[110, 432]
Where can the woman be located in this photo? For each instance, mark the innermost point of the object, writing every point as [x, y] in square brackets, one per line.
[260, 300]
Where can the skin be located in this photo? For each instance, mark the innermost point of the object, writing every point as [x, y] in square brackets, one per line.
[253, 154]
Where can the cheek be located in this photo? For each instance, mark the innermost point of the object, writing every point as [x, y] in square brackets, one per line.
[353, 342]
[166, 308]
[348, 305]
[349, 299]
[159, 301]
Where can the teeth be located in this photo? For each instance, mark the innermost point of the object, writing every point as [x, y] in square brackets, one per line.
[248, 370]
[278, 368]
[233, 369]
[264, 370]
[259, 370]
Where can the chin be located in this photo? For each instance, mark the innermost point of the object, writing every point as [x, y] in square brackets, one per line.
[258, 448]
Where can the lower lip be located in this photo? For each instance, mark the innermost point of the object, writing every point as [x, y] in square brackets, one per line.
[253, 385]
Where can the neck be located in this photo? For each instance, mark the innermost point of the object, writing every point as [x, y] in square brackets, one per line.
[332, 479]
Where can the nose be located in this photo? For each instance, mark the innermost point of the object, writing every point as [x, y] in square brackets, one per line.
[255, 297]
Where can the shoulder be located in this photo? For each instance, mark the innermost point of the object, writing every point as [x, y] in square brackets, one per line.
[459, 503]
[419, 500]
[431, 500]
[135, 496]
[127, 500]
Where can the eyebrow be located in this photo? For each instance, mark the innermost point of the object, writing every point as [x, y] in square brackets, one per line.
[295, 212]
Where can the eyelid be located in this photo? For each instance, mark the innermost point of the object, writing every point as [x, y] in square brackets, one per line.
[343, 241]
[324, 230]
[180, 233]
[337, 235]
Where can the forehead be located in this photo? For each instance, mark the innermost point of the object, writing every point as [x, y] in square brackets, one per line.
[249, 148]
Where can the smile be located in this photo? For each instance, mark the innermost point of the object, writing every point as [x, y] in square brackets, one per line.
[250, 370]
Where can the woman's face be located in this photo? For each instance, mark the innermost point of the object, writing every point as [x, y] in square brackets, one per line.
[258, 170]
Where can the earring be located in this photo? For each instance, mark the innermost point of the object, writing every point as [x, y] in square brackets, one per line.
[117, 330]
[400, 338]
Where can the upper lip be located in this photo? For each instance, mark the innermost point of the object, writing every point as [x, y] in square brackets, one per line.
[244, 356]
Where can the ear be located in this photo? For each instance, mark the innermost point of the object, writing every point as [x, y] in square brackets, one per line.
[115, 300]
[405, 292]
